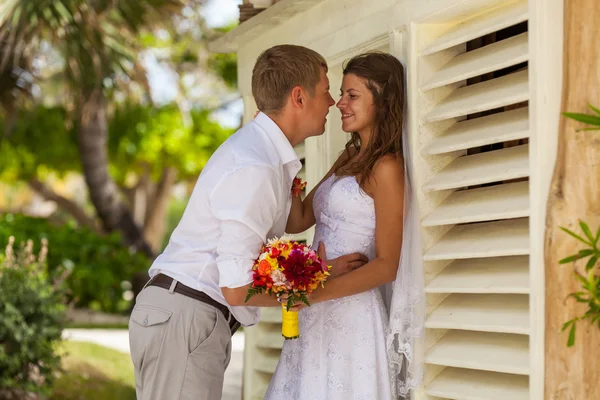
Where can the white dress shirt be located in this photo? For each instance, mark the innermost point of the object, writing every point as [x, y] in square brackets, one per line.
[241, 199]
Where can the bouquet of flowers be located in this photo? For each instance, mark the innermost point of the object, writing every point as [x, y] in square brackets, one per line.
[285, 267]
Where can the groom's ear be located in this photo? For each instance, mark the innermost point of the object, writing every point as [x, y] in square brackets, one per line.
[298, 97]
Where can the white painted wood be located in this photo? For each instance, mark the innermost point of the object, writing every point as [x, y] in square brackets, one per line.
[266, 364]
[546, 41]
[486, 59]
[495, 128]
[510, 200]
[492, 166]
[301, 150]
[506, 313]
[270, 315]
[483, 275]
[270, 338]
[467, 384]
[490, 239]
[475, 27]
[487, 95]
[498, 352]
[268, 19]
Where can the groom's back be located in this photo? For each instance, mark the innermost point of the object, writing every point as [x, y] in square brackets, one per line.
[190, 257]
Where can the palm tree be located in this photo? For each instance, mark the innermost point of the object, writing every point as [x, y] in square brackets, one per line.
[97, 41]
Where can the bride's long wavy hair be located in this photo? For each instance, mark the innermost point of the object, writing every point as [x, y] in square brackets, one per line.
[384, 77]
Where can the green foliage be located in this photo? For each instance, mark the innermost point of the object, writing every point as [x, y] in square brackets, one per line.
[589, 119]
[143, 137]
[39, 141]
[140, 138]
[100, 265]
[97, 40]
[590, 281]
[32, 306]
[174, 214]
[225, 65]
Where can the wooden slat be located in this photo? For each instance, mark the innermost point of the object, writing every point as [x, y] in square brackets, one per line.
[270, 315]
[478, 26]
[266, 364]
[506, 313]
[260, 391]
[490, 239]
[483, 275]
[495, 128]
[270, 339]
[487, 59]
[498, 352]
[466, 384]
[495, 93]
[492, 166]
[301, 150]
[490, 203]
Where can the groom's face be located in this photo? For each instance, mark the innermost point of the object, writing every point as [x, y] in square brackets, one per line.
[317, 108]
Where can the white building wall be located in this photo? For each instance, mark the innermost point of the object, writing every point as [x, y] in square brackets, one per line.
[339, 29]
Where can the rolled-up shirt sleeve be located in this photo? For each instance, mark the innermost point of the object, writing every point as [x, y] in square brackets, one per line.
[246, 203]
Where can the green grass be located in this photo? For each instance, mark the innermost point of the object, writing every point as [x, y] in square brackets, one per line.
[97, 326]
[93, 372]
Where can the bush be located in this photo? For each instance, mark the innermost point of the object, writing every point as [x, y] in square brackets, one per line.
[32, 306]
[101, 267]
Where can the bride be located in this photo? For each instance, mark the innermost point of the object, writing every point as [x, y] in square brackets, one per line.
[362, 345]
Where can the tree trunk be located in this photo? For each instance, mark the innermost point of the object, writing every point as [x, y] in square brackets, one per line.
[573, 372]
[154, 223]
[82, 218]
[93, 137]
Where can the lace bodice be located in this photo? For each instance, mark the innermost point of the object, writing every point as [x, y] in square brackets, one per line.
[345, 218]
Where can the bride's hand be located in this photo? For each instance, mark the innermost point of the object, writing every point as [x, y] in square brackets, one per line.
[342, 264]
[295, 306]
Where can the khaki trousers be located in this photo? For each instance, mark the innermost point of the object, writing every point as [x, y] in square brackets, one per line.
[180, 347]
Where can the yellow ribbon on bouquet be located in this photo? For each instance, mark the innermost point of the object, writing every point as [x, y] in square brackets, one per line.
[289, 326]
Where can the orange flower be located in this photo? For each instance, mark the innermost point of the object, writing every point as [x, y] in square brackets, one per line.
[264, 268]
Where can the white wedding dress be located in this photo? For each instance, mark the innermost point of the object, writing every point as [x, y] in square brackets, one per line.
[341, 353]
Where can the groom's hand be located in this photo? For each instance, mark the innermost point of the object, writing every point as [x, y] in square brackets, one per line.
[342, 264]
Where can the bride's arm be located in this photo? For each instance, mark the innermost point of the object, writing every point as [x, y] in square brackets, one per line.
[388, 196]
[301, 213]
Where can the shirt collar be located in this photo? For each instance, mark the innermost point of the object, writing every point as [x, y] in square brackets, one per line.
[280, 141]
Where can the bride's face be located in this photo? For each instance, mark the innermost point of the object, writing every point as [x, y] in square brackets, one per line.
[356, 105]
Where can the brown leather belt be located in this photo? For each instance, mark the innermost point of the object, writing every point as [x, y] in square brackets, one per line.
[165, 282]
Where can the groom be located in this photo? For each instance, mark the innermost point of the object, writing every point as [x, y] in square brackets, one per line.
[181, 327]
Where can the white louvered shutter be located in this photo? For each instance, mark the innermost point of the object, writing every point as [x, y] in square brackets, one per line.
[473, 126]
[264, 341]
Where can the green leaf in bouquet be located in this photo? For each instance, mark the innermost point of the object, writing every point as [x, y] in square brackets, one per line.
[252, 292]
[304, 299]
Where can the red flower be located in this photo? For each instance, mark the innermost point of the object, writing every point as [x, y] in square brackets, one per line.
[275, 252]
[297, 270]
[297, 186]
[262, 281]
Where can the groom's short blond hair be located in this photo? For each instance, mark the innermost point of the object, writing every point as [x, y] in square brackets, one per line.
[281, 68]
